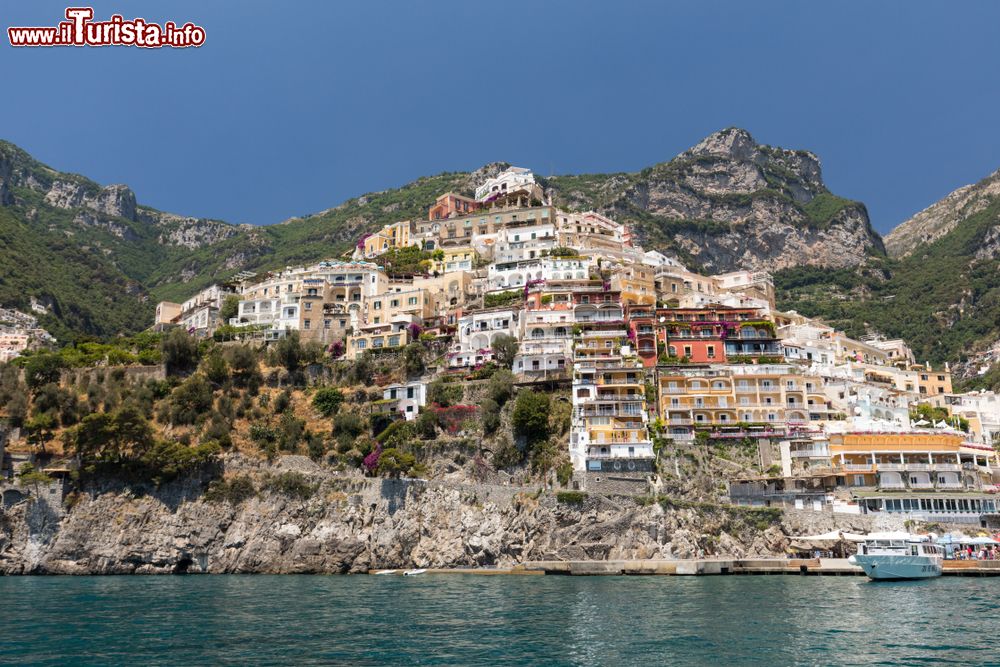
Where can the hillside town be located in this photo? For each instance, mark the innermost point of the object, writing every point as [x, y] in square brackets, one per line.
[650, 351]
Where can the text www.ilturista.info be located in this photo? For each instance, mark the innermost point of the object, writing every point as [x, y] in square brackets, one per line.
[80, 30]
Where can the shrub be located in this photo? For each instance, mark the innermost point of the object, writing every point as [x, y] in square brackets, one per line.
[571, 497]
[530, 418]
[179, 350]
[327, 401]
[394, 462]
[444, 393]
[291, 484]
[190, 400]
[233, 491]
[490, 416]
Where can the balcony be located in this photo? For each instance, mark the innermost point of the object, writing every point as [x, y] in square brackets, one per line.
[811, 452]
[891, 485]
[858, 467]
[947, 467]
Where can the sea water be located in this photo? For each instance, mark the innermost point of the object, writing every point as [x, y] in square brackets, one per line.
[497, 620]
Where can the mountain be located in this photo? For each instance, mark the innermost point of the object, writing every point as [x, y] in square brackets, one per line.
[942, 217]
[731, 203]
[939, 290]
[98, 260]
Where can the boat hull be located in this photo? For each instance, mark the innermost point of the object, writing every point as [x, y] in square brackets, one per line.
[891, 567]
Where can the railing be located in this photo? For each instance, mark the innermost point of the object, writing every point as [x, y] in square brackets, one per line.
[858, 467]
[811, 451]
[946, 467]
[891, 485]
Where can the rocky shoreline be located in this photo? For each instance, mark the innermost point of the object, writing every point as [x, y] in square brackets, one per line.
[354, 524]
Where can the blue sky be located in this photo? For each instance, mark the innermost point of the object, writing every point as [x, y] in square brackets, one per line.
[291, 108]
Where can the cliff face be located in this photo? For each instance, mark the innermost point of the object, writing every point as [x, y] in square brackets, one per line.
[730, 203]
[354, 524]
[943, 216]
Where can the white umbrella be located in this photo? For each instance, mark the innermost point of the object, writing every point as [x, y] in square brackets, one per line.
[922, 422]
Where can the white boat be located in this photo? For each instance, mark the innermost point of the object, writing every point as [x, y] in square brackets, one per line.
[387, 572]
[898, 556]
[411, 573]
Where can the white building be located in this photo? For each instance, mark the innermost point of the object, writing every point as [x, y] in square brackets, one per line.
[513, 178]
[408, 398]
[476, 333]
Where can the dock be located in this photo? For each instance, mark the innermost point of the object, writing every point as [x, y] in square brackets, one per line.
[830, 567]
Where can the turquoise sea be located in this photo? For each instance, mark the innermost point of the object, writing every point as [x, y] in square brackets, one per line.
[497, 620]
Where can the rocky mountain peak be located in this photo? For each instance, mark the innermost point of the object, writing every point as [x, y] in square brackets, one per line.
[732, 143]
[941, 217]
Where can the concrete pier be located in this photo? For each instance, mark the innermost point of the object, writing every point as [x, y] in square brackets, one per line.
[707, 566]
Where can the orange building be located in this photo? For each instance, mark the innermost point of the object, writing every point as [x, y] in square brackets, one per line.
[450, 205]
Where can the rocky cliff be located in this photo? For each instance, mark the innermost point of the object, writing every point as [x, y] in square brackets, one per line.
[730, 203]
[356, 524]
[943, 216]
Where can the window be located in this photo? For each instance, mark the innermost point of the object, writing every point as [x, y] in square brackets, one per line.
[326, 324]
[412, 301]
[306, 324]
[711, 352]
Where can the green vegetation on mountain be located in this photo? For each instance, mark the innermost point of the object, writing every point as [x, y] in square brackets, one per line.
[942, 299]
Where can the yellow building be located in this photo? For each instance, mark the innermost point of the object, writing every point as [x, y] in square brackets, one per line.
[377, 338]
[766, 399]
[385, 308]
[637, 284]
[609, 428]
[931, 382]
[455, 258]
[911, 461]
[394, 236]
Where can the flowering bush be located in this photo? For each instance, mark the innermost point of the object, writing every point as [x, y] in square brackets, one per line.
[371, 461]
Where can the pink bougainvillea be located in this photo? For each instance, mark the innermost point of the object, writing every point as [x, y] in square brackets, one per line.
[371, 461]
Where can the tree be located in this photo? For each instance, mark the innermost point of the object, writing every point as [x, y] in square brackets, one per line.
[43, 369]
[413, 359]
[501, 386]
[489, 415]
[121, 435]
[216, 369]
[179, 350]
[327, 401]
[190, 400]
[504, 350]
[27, 475]
[40, 428]
[287, 352]
[230, 308]
[243, 362]
[531, 415]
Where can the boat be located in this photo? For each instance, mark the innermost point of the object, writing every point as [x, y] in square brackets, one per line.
[411, 573]
[387, 572]
[896, 556]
